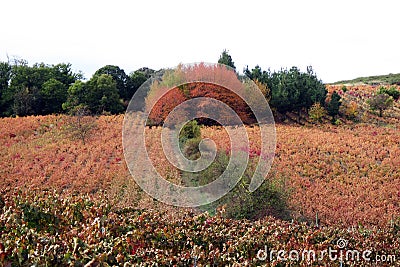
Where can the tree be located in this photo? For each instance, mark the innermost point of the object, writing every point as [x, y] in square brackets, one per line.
[293, 90]
[226, 59]
[334, 105]
[380, 102]
[63, 73]
[98, 95]
[123, 82]
[54, 93]
[261, 79]
[37, 90]
[257, 74]
[138, 77]
[77, 96]
[102, 95]
[81, 124]
[26, 100]
[147, 72]
[25, 87]
[5, 76]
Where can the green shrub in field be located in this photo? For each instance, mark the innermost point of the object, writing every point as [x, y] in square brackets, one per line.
[334, 105]
[380, 102]
[392, 91]
[191, 148]
[190, 130]
[189, 140]
[317, 112]
[269, 199]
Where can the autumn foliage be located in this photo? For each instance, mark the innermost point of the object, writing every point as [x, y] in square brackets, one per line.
[47, 229]
[348, 174]
[191, 82]
[65, 202]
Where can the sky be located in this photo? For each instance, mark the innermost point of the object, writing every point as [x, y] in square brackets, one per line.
[341, 39]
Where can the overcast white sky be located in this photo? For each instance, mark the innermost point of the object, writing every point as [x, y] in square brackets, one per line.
[341, 39]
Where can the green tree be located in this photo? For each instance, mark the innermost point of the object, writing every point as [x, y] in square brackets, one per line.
[123, 82]
[257, 74]
[26, 100]
[261, 79]
[54, 93]
[103, 95]
[226, 59]
[25, 87]
[77, 96]
[380, 102]
[139, 76]
[293, 90]
[334, 105]
[5, 76]
[40, 89]
[63, 73]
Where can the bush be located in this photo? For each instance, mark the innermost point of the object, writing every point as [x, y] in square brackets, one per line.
[317, 112]
[269, 199]
[189, 140]
[334, 105]
[190, 130]
[351, 110]
[380, 102]
[337, 122]
[392, 91]
[191, 148]
[80, 124]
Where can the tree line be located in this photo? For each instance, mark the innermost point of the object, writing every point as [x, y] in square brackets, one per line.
[43, 89]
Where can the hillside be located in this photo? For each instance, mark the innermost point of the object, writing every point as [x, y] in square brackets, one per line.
[374, 80]
[332, 170]
[68, 199]
[65, 202]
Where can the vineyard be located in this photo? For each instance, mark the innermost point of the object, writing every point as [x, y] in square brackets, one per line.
[68, 199]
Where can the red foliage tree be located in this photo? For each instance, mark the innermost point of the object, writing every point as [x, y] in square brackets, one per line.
[200, 80]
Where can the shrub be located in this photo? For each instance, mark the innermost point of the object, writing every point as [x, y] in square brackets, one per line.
[190, 130]
[191, 148]
[80, 124]
[334, 105]
[317, 112]
[337, 122]
[269, 199]
[392, 91]
[381, 102]
[351, 110]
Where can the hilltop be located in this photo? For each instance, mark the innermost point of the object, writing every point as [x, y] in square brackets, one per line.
[388, 79]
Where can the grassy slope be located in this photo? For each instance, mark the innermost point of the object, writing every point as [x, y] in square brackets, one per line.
[379, 79]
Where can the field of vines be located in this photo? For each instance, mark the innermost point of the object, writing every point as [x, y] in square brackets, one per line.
[69, 200]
